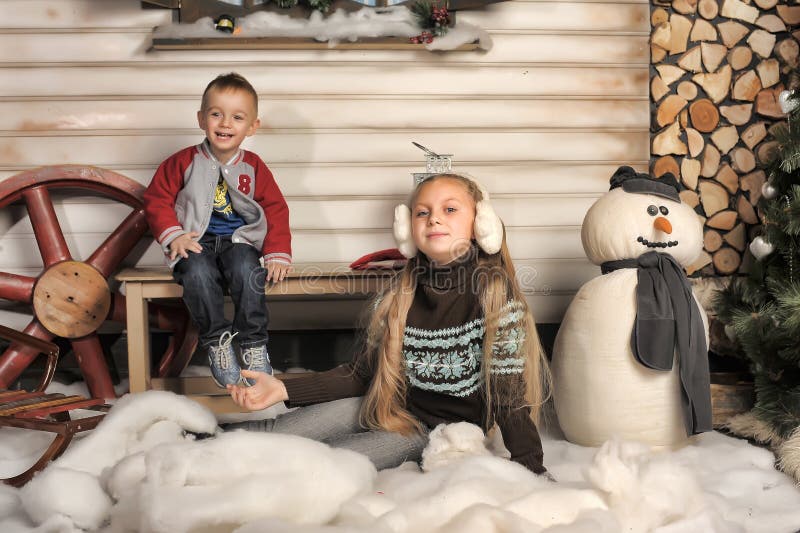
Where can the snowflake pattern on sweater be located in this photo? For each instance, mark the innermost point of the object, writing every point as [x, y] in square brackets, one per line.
[448, 360]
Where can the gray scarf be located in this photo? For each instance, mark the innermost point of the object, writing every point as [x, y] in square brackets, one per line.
[667, 316]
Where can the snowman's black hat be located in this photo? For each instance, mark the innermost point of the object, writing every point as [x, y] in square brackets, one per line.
[636, 182]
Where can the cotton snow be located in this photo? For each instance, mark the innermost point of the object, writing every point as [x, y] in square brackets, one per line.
[341, 25]
[142, 469]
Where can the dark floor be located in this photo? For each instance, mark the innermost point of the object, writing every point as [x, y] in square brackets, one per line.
[312, 350]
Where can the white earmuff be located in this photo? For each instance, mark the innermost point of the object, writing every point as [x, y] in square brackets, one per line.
[488, 226]
[402, 231]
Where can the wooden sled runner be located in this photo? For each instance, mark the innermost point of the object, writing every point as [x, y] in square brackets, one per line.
[41, 411]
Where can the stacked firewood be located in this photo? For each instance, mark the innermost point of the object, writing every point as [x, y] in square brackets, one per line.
[717, 69]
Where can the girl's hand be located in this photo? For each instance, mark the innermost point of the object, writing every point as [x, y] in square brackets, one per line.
[265, 392]
[276, 271]
[184, 244]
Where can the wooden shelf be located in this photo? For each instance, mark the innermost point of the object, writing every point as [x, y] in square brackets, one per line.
[291, 43]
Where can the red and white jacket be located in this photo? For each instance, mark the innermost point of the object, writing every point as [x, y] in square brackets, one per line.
[180, 199]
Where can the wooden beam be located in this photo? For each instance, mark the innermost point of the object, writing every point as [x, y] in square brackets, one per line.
[172, 4]
[290, 43]
[193, 10]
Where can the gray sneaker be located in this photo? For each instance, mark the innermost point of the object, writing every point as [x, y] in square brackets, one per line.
[222, 359]
[256, 358]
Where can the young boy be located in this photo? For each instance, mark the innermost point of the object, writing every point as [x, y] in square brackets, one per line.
[215, 210]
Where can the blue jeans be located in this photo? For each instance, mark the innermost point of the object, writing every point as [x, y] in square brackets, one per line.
[336, 424]
[204, 277]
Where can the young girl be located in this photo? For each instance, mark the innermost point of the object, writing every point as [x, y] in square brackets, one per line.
[450, 340]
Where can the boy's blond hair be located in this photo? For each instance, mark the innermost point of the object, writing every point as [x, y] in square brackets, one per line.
[230, 82]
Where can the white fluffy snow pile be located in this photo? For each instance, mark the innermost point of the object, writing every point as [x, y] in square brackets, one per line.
[140, 471]
[395, 21]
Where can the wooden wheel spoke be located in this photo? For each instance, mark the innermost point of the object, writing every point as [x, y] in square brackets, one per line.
[160, 316]
[92, 361]
[16, 288]
[116, 310]
[16, 358]
[168, 317]
[52, 245]
[121, 241]
[178, 355]
[56, 448]
[175, 319]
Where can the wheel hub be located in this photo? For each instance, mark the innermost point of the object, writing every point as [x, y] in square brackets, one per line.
[71, 299]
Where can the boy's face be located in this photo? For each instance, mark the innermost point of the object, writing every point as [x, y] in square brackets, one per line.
[228, 117]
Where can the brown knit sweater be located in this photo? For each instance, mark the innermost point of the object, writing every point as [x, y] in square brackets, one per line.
[443, 355]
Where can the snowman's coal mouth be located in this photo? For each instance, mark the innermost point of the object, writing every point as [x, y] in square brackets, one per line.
[668, 244]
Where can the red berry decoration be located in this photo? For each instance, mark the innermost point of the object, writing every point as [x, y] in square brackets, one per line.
[431, 16]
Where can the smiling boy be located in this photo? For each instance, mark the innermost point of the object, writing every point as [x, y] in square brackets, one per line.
[216, 210]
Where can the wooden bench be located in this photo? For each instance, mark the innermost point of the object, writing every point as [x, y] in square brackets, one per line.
[42, 411]
[305, 281]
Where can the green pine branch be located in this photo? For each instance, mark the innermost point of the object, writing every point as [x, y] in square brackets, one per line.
[788, 301]
[423, 12]
[763, 308]
[777, 405]
[791, 162]
[792, 210]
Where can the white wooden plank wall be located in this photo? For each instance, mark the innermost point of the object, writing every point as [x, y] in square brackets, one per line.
[543, 119]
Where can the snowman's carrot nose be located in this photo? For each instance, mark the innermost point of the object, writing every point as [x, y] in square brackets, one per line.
[663, 224]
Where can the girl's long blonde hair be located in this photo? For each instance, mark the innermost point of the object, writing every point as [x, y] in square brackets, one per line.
[384, 405]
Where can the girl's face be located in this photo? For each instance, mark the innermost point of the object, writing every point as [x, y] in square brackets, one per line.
[442, 219]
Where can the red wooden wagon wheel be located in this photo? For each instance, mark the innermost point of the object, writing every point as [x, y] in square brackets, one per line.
[71, 298]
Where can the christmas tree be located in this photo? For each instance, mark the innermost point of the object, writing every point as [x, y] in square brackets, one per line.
[761, 311]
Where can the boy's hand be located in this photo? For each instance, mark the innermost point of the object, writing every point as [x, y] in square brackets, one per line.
[276, 271]
[184, 244]
[265, 392]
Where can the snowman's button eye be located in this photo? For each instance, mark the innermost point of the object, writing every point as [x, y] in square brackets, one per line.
[664, 210]
[652, 210]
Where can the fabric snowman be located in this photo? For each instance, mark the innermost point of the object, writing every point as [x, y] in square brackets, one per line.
[631, 359]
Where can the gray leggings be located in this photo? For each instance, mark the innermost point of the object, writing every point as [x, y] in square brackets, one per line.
[336, 424]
